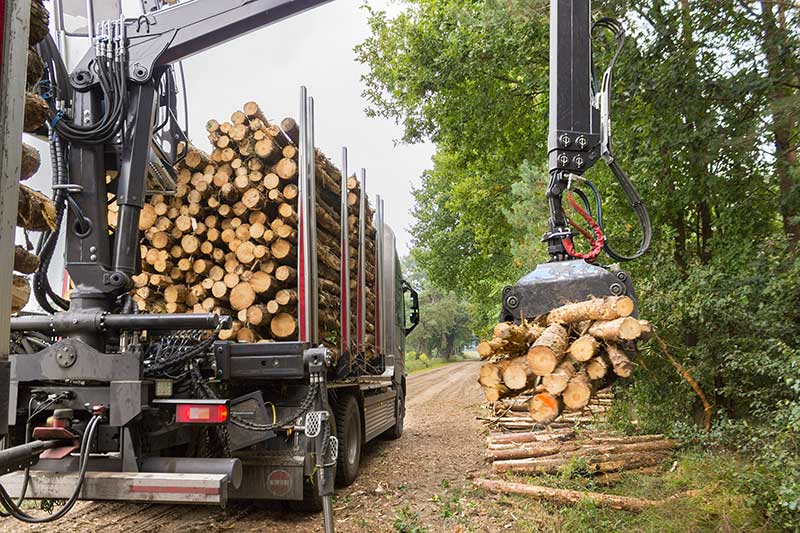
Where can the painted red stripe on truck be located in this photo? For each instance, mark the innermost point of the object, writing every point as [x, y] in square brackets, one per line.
[175, 490]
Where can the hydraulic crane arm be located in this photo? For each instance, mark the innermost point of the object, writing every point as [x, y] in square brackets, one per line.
[580, 123]
[174, 33]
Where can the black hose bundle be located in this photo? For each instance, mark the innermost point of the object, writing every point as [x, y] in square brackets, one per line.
[13, 509]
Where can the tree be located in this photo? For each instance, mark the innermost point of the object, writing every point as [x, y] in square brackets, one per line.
[444, 319]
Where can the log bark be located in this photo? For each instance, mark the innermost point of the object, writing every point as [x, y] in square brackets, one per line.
[20, 293]
[594, 464]
[40, 22]
[619, 330]
[36, 112]
[35, 211]
[31, 160]
[24, 261]
[609, 308]
[571, 497]
[619, 361]
[548, 350]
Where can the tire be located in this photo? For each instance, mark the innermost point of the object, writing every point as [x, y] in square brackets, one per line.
[350, 435]
[396, 431]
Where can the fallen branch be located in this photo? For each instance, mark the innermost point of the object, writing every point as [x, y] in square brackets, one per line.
[689, 379]
[565, 497]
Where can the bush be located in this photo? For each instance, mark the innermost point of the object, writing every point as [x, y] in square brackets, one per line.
[734, 324]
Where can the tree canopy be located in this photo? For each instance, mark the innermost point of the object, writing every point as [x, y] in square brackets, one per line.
[705, 121]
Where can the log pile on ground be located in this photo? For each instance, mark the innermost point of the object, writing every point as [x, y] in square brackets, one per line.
[551, 452]
[560, 359]
[226, 241]
[513, 414]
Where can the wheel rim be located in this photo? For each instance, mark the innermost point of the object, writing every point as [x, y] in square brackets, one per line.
[352, 442]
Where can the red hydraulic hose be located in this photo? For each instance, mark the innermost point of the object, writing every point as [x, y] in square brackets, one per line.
[597, 242]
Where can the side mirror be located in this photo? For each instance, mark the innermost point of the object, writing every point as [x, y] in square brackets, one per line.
[413, 318]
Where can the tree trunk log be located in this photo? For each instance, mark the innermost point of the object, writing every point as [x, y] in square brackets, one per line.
[578, 391]
[557, 381]
[35, 211]
[570, 497]
[517, 375]
[621, 329]
[36, 112]
[20, 293]
[545, 407]
[608, 308]
[548, 350]
[619, 361]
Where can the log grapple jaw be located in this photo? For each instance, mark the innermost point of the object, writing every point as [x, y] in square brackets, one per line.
[557, 283]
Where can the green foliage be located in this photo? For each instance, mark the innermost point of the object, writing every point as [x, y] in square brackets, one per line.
[407, 521]
[705, 122]
[717, 502]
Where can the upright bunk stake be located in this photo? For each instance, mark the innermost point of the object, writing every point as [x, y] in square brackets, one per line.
[311, 161]
[361, 305]
[303, 227]
[345, 259]
[378, 276]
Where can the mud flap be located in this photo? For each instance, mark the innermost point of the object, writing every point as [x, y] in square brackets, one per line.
[270, 482]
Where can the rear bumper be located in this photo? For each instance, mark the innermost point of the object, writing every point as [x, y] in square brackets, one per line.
[211, 489]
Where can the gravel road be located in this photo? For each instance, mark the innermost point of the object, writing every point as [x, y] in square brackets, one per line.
[422, 479]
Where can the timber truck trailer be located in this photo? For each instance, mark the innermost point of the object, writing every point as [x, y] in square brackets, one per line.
[89, 415]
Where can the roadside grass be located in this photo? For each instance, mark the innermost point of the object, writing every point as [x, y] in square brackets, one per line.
[418, 365]
[715, 506]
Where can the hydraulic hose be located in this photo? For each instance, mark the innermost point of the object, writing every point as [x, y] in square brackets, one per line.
[14, 510]
[641, 213]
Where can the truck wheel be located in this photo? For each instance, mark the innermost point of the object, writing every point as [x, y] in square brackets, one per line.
[396, 431]
[349, 433]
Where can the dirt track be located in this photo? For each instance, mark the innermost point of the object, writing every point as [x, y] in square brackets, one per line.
[421, 479]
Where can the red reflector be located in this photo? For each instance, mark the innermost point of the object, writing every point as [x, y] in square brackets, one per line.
[195, 413]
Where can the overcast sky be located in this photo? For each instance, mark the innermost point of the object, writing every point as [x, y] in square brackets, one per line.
[314, 49]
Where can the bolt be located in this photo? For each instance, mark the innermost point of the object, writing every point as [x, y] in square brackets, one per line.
[581, 141]
[93, 257]
[512, 302]
[564, 140]
[92, 249]
[616, 289]
[578, 160]
[563, 159]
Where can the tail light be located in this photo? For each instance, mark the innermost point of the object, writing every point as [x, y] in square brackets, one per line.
[201, 413]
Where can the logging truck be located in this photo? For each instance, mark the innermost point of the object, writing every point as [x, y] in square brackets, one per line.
[235, 327]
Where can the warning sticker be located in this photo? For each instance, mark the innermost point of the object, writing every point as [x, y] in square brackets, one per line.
[279, 482]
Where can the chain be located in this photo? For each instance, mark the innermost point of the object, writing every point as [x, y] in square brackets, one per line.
[304, 407]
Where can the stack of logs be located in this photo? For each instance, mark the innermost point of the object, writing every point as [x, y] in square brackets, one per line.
[562, 357]
[226, 242]
[551, 451]
[35, 211]
[512, 414]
